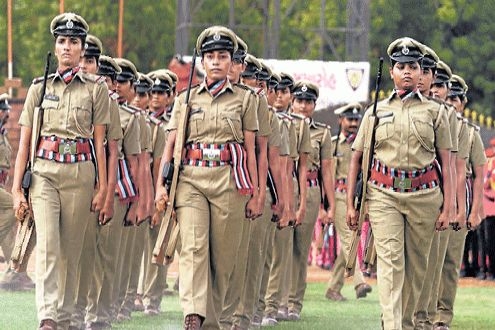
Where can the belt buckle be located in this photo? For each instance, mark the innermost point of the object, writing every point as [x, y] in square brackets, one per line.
[402, 183]
[211, 154]
[67, 148]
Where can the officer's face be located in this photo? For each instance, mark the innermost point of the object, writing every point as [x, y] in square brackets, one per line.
[425, 81]
[141, 100]
[263, 85]
[271, 96]
[405, 75]
[110, 83]
[235, 71]
[349, 125]
[88, 64]
[217, 64]
[304, 107]
[251, 82]
[439, 91]
[68, 51]
[125, 91]
[456, 102]
[283, 99]
[159, 100]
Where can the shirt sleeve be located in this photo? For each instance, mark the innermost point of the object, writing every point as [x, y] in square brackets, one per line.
[326, 145]
[101, 104]
[442, 131]
[250, 116]
[32, 101]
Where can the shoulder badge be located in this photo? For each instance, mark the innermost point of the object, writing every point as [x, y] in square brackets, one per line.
[127, 108]
[185, 89]
[37, 80]
[323, 125]
[113, 95]
[335, 138]
[155, 121]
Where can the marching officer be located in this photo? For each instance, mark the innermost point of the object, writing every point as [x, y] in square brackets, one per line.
[474, 188]
[70, 144]
[404, 199]
[210, 202]
[349, 117]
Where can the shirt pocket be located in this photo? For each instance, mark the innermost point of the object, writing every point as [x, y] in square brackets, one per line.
[384, 130]
[233, 125]
[196, 122]
[83, 117]
[50, 107]
[424, 133]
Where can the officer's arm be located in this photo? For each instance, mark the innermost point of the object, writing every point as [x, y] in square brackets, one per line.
[20, 167]
[443, 218]
[460, 187]
[475, 216]
[327, 174]
[354, 168]
[161, 192]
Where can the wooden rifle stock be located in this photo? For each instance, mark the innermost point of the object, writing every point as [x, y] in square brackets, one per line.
[360, 199]
[25, 239]
[168, 235]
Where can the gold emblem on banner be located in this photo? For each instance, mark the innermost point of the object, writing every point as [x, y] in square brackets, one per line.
[354, 77]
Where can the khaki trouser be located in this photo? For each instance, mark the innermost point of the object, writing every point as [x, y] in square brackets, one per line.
[403, 226]
[7, 222]
[258, 239]
[61, 202]
[423, 318]
[154, 282]
[238, 279]
[101, 294]
[336, 281]
[135, 257]
[260, 303]
[450, 276]
[210, 212]
[301, 244]
[123, 268]
[85, 273]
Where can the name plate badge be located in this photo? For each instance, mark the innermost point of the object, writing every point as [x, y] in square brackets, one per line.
[211, 154]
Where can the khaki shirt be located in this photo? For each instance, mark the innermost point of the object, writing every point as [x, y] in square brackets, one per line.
[463, 152]
[145, 133]
[220, 119]
[114, 131]
[454, 128]
[158, 139]
[130, 145]
[409, 138]
[70, 110]
[300, 130]
[343, 158]
[477, 155]
[274, 139]
[264, 124]
[285, 128]
[5, 152]
[321, 145]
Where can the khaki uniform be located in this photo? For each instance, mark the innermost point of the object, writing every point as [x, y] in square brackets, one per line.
[109, 259]
[455, 245]
[341, 162]
[426, 307]
[87, 264]
[277, 293]
[154, 274]
[59, 192]
[7, 218]
[209, 207]
[404, 223]
[257, 245]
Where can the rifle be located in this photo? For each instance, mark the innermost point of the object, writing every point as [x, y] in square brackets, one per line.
[360, 194]
[26, 235]
[168, 235]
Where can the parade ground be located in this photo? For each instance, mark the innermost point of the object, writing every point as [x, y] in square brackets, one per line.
[473, 308]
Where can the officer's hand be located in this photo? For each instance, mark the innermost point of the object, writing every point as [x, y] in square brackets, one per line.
[20, 205]
[300, 214]
[156, 219]
[459, 221]
[442, 221]
[98, 200]
[278, 211]
[251, 211]
[473, 221]
[132, 214]
[161, 199]
[322, 215]
[106, 214]
[331, 215]
[352, 218]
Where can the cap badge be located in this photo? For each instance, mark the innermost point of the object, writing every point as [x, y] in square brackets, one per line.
[405, 50]
[216, 36]
[69, 24]
[157, 81]
[355, 111]
[138, 82]
[304, 88]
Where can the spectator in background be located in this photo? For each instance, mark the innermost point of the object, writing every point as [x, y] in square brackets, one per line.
[489, 207]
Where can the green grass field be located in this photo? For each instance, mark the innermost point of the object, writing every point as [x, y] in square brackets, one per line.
[475, 309]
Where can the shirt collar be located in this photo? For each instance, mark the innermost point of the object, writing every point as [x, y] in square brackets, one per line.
[203, 87]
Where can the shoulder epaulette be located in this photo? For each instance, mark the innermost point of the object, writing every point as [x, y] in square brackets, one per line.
[335, 138]
[113, 95]
[40, 79]
[127, 108]
[476, 127]
[137, 111]
[185, 89]
[300, 117]
[93, 77]
[323, 125]
[283, 116]
[459, 116]
[155, 121]
[246, 87]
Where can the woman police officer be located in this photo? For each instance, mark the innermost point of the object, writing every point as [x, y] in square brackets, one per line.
[209, 202]
[70, 142]
[405, 202]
